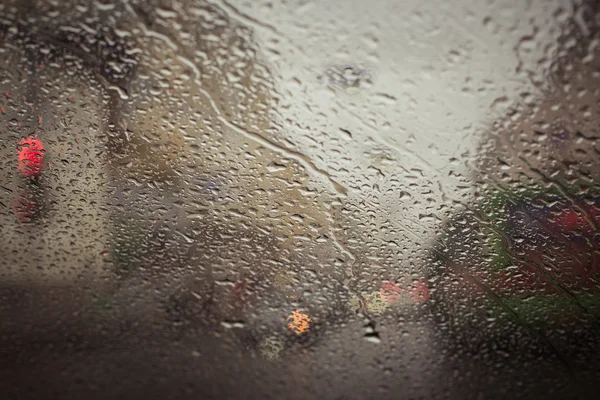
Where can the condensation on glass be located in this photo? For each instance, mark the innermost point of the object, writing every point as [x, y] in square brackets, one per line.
[304, 199]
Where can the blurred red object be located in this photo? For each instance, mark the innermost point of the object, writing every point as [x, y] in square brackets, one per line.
[418, 292]
[577, 217]
[31, 156]
[390, 292]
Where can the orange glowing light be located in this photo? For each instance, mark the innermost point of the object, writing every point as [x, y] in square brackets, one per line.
[300, 322]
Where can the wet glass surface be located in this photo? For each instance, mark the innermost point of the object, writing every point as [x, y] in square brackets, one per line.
[303, 200]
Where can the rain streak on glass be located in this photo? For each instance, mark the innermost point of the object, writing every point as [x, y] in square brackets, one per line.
[326, 199]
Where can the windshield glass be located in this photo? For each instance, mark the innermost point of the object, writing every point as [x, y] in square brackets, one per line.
[304, 200]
